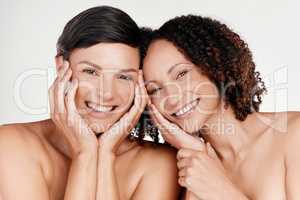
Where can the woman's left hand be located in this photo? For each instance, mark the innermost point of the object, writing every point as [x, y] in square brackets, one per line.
[112, 138]
[200, 169]
[203, 173]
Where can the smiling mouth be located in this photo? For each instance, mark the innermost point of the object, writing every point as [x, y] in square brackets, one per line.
[187, 108]
[99, 108]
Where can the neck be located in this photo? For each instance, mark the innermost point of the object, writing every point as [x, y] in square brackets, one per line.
[230, 137]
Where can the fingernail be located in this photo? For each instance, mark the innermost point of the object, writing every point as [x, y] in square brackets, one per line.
[65, 63]
[209, 145]
[202, 140]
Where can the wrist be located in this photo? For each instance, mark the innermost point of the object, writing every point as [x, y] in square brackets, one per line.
[106, 154]
[235, 193]
[85, 156]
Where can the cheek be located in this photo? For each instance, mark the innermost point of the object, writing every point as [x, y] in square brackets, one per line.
[210, 97]
[125, 91]
[87, 89]
[159, 101]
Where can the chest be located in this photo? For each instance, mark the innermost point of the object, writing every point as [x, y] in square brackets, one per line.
[262, 177]
[127, 175]
[56, 172]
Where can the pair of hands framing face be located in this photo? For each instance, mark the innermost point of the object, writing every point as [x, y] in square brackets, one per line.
[78, 135]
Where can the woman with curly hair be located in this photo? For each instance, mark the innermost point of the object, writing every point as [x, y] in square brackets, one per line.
[205, 95]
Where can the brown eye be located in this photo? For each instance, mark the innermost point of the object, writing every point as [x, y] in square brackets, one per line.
[125, 77]
[181, 74]
[90, 71]
[153, 91]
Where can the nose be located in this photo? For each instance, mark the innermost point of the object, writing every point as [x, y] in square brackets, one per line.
[173, 95]
[106, 89]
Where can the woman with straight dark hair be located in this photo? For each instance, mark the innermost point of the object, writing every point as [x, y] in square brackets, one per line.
[205, 95]
[86, 150]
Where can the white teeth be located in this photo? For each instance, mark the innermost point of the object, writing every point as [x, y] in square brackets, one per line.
[187, 108]
[99, 108]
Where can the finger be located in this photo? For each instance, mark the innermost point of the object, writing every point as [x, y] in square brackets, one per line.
[191, 196]
[189, 183]
[167, 133]
[59, 89]
[156, 123]
[178, 138]
[62, 70]
[70, 102]
[141, 99]
[183, 181]
[184, 162]
[186, 153]
[51, 100]
[183, 172]
[144, 94]
[62, 90]
[135, 111]
[164, 124]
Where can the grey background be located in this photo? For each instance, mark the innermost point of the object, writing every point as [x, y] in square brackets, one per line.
[29, 30]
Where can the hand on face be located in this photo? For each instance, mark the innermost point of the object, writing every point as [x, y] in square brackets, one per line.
[112, 138]
[198, 164]
[173, 134]
[76, 133]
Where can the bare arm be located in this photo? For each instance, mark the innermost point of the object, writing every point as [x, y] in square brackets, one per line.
[107, 187]
[82, 177]
[21, 176]
[79, 139]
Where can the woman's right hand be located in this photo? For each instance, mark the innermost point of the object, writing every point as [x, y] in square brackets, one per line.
[176, 137]
[77, 135]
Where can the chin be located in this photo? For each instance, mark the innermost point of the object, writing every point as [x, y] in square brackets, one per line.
[99, 126]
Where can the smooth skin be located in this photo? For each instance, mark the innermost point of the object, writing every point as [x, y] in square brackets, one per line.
[253, 159]
[83, 154]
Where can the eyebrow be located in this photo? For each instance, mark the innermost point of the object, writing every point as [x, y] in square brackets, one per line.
[174, 66]
[98, 66]
[168, 72]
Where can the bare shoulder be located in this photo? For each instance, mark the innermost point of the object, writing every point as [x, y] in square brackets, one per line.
[18, 138]
[293, 120]
[158, 155]
[160, 174]
[292, 135]
[285, 127]
[20, 143]
[20, 164]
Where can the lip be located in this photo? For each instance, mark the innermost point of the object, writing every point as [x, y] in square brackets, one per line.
[99, 114]
[196, 102]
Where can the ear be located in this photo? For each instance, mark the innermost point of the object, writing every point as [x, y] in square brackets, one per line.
[59, 62]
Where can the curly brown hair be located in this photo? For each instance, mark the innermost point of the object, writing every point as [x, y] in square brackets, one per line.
[220, 54]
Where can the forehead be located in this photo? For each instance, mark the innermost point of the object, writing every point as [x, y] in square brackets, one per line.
[161, 56]
[108, 55]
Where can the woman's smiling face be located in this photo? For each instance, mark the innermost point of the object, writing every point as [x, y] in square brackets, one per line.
[107, 74]
[177, 88]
